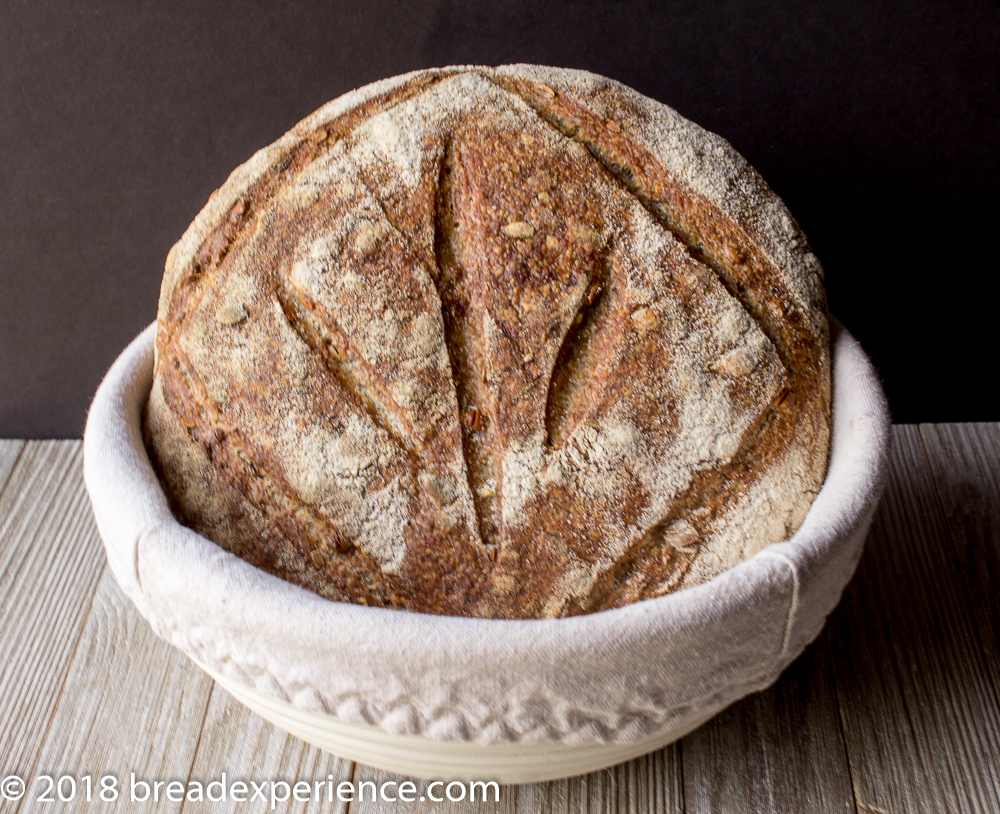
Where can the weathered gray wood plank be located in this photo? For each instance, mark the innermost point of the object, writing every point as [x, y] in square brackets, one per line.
[50, 562]
[131, 703]
[780, 750]
[917, 705]
[912, 658]
[648, 784]
[248, 748]
[651, 783]
[10, 449]
[965, 459]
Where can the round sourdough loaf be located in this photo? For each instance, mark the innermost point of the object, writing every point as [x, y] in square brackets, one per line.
[506, 342]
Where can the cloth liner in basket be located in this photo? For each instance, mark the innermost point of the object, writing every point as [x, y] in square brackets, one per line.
[630, 678]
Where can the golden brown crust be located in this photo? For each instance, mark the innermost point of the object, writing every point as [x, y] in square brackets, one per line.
[471, 347]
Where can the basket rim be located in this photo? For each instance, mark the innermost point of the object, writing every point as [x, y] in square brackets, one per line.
[200, 598]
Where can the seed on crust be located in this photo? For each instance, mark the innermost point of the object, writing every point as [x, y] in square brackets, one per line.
[231, 313]
[518, 230]
[585, 234]
[474, 418]
[368, 235]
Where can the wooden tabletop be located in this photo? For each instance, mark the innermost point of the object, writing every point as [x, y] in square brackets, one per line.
[895, 708]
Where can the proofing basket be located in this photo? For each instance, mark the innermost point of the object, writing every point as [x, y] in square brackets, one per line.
[445, 697]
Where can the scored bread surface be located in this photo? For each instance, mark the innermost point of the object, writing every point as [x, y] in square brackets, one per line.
[513, 342]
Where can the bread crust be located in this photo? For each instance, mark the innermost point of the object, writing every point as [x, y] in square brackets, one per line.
[513, 342]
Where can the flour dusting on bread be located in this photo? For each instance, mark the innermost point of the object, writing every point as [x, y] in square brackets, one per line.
[513, 343]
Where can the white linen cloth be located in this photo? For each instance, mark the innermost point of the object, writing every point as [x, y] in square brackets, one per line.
[618, 676]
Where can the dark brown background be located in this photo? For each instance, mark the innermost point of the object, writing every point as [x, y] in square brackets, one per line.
[877, 122]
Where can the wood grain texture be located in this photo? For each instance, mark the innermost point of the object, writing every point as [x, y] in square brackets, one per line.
[50, 562]
[131, 703]
[780, 750]
[238, 742]
[965, 459]
[895, 709]
[919, 711]
[651, 783]
[10, 449]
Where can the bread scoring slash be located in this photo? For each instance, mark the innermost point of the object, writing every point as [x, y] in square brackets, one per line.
[506, 342]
